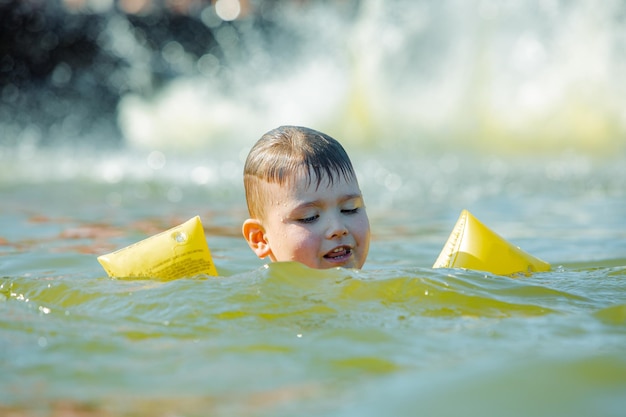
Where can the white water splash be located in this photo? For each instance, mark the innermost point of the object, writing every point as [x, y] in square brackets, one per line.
[516, 75]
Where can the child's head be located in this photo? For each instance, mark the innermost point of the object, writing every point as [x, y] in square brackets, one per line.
[304, 200]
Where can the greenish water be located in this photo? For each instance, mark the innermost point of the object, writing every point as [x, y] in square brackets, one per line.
[397, 338]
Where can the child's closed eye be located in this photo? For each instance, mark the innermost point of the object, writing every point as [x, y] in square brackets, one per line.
[309, 219]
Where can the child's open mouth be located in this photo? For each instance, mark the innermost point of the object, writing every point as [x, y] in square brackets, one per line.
[339, 253]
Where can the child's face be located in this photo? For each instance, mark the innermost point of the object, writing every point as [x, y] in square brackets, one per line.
[321, 227]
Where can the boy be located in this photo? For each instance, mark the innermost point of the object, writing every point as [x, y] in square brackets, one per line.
[304, 201]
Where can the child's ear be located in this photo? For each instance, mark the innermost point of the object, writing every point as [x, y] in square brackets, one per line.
[254, 232]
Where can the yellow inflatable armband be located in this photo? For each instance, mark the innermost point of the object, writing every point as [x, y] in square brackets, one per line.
[472, 245]
[181, 251]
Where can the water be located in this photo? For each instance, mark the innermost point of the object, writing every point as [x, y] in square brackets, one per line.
[397, 337]
[536, 153]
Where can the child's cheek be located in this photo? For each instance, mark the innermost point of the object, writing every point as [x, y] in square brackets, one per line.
[304, 241]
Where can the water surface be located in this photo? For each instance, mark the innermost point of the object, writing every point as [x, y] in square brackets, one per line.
[395, 338]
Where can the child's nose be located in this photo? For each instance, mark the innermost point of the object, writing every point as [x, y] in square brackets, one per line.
[336, 228]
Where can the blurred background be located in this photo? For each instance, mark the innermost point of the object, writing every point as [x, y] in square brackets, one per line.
[188, 75]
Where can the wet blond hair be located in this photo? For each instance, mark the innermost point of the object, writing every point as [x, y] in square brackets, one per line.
[287, 151]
